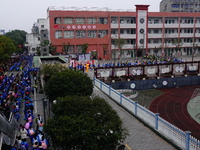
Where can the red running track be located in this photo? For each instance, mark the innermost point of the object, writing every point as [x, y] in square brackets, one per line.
[172, 106]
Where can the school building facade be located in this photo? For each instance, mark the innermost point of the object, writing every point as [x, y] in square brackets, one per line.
[123, 34]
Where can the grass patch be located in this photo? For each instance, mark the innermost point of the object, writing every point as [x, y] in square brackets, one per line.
[145, 97]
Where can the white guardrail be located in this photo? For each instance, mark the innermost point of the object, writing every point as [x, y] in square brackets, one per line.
[177, 136]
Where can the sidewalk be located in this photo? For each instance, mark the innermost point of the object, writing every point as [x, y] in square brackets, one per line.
[140, 136]
[38, 99]
[38, 108]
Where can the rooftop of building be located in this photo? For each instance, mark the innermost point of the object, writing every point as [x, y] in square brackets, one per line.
[39, 60]
[56, 9]
[64, 8]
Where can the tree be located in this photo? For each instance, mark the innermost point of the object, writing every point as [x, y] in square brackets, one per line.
[6, 48]
[177, 43]
[120, 42]
[84, 48]
[52, 48]
[49, 70]
[105, 47]
[68, 82]
[94, 54]
[45, 43]
[18, 37]
[65, 48]
[86, 124]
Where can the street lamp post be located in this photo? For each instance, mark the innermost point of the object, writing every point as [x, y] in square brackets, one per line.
[44, 106]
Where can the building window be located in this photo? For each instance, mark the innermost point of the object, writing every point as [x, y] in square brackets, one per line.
[167, 41]
[113, 42]
[198, 30]
[80, 34]
[69, 34]
[130, 31]
[114, 20]
[44, 49]
[57, 20]
[58, 34]
[45, 35]
[187, 20]
[42, 26]
[130, 20]
[68, 20]
[103, 20]
[149, 21]
[80, 20]
[104, 52]
[122, 21]
[171, 20]
[79, 48]
[155, 41]
[175, 5]
[70, 48]
[149, 31]
[33, 49]
[156, 21]
[155, 31]
[188, 40]
[102, 33]
[188, 30]
[38, 38]
[130, 41]
[170, 31]
[91, 20]
[114, 31]
[92, 33]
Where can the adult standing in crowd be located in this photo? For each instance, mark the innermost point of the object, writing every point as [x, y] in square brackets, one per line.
[23, 133]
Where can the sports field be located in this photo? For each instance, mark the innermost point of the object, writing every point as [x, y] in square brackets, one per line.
[193, 108]
[173, 105]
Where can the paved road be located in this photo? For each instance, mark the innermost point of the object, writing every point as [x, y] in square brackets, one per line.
[141, 137]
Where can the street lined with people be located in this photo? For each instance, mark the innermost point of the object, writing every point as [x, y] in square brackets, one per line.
[16, 99]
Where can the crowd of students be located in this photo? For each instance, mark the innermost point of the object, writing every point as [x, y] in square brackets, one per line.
[15, 95]
[146, 61]
[35, 136]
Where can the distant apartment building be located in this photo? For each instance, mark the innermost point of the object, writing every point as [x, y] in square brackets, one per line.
[32, 42]
[180, 6]
[37, 41]
[2, 32]
[124, 34]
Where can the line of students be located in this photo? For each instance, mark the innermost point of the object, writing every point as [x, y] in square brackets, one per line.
[15, 95]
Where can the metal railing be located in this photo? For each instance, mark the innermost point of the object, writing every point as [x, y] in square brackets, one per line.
[8, 130]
